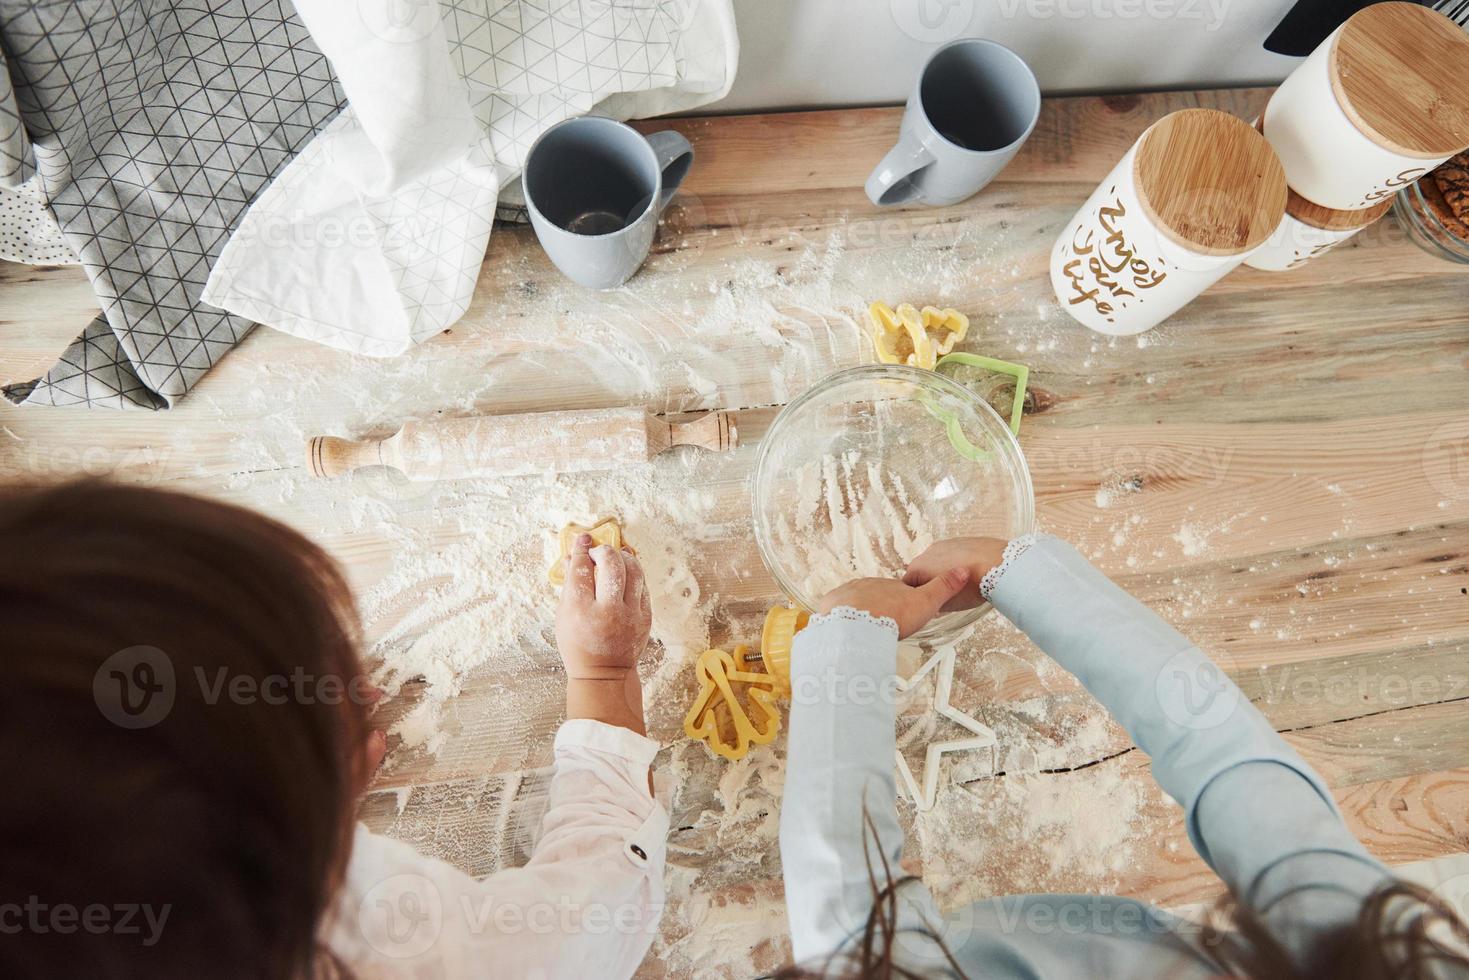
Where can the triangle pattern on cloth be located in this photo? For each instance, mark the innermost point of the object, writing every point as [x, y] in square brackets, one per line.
[161, 124]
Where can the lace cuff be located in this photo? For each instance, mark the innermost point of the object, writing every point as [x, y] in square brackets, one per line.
[1013, 551]
[850, 615]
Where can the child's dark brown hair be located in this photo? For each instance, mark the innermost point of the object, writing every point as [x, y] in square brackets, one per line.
[181, 730]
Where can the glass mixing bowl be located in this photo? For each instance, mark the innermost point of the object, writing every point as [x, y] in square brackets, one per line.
[872, 465]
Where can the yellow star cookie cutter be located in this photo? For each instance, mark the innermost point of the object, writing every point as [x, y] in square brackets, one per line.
[606, 531]
[782, 624]
[720, 717]
[912, 336]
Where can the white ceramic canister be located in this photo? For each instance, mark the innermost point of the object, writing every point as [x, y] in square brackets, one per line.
[1378, 104]
[1194, 196]
[1309, 230]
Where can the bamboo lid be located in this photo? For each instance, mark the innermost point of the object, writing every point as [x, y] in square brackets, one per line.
[1401, 74]
[1313, 214]
[1210, 182]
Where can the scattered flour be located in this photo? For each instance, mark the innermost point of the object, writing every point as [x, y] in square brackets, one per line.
[1193, 538]
[452, 583]
[442, 612]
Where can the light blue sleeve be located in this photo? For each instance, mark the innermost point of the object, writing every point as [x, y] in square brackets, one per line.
[839, 766]
[1254, 810]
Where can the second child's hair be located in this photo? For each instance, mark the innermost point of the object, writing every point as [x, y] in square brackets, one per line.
[181, 729]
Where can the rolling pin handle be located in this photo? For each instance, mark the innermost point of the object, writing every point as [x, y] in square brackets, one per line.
[328, 456]
[715, 432]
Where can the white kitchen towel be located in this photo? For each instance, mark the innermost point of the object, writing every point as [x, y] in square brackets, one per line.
[371, 240]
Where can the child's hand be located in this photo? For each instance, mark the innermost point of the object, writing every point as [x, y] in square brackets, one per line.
[977, 555]
[908, 606]
[605, 615]
[602, 626]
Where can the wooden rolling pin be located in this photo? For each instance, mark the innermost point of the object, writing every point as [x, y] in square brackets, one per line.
[521, 445]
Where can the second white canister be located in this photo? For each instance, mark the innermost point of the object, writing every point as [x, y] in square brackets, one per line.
[1378, 104]
[1309, 230]
[1195, 195]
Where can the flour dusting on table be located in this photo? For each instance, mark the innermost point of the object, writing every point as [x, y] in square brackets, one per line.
[451, 575]
[442, 612]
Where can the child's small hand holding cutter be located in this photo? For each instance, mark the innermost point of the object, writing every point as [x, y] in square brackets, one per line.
[602, 626]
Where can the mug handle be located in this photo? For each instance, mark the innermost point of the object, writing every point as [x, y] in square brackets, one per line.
[892, 181]
[675, 155]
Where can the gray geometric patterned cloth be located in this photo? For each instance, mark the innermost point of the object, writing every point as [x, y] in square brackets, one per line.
[152, 125]
[16, 162]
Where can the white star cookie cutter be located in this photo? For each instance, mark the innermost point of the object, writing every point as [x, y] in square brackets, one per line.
[981, 737]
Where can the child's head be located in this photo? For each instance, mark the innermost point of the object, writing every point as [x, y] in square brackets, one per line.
[181, 722]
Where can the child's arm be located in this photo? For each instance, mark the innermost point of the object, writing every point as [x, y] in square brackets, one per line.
[587, 904]
[839, 766]
[602, 626]
[1261, 817]
[588, 901]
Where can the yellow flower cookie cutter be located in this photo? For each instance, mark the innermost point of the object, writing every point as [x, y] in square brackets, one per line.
[782, 624]
[912, 336]
[606, 531]
[720, 717]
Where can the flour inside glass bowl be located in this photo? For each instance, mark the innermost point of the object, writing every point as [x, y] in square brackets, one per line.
[861, 474]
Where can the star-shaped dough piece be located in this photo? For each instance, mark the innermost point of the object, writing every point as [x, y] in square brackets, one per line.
[606, 531]
[980, 737]
[735, 708]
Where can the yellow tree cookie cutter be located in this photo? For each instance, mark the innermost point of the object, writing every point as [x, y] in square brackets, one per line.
[606, 531]
[724, 677]
[720, 718]
[912, 336]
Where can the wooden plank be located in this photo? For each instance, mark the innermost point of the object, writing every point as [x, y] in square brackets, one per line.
[1399, 820]
[1075, 139]
[1013, 840]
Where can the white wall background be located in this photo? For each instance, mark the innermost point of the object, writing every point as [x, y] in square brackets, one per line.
[814, 53]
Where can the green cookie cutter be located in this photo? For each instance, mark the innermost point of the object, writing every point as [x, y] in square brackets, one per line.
[951, 424]
[1019, 372]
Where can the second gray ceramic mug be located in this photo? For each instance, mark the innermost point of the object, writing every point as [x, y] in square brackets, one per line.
[974, 105]
[594, 188]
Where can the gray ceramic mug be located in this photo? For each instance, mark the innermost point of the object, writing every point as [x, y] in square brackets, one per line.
[974, 105]
[594, 188]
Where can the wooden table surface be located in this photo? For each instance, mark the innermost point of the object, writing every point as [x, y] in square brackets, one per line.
[1282, 471]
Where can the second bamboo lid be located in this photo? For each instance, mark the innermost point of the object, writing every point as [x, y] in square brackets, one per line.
[1210, 182]
[1327, 219]
[1401, 74]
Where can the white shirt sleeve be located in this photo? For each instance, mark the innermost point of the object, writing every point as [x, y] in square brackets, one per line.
[586, 904]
